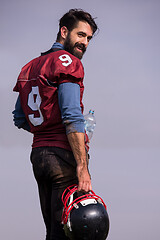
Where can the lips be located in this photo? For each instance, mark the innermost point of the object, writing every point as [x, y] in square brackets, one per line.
[80, 47]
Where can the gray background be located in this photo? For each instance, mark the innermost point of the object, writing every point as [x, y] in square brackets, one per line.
[122, 80]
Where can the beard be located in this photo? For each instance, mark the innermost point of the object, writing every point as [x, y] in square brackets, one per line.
[71, 48]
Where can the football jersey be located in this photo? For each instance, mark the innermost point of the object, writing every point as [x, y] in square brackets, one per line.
[37, 85]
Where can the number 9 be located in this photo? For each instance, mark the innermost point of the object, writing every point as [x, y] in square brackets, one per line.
[66, 60]
[35, 106]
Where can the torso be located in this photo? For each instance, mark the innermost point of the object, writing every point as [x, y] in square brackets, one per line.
[38, 87]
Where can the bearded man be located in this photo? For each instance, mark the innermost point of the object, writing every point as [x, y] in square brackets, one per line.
[50, 106]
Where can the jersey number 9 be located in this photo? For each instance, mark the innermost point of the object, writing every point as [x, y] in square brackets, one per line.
[34, 102]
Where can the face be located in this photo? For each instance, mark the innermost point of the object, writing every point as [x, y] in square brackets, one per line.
[77, 40]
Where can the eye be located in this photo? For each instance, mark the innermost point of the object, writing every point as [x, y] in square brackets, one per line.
[80, 34]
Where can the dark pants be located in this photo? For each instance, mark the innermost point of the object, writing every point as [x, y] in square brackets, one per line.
[54, 170]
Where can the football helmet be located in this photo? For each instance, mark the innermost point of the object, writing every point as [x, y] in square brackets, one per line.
[84, 215]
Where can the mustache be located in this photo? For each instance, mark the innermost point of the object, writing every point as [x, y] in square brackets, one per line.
[81, 46]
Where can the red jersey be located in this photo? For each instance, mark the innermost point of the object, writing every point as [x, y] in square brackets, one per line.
[37, 85]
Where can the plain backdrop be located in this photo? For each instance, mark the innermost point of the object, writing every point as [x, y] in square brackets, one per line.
[122, 85]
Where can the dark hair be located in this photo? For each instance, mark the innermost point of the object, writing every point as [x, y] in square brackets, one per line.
[72, 17]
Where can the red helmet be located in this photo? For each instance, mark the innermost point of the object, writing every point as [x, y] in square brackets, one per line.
[84, 215]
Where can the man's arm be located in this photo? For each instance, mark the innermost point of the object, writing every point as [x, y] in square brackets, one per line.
[69, 102]
[77, 144]
[19, 118]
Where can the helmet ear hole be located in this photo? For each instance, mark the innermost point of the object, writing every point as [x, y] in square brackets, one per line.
[84, 216]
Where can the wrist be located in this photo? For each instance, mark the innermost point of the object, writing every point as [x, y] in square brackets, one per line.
[82, 167]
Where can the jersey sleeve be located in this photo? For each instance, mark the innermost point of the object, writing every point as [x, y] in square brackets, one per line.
[67, 68]
[19, 118]
[69, 102]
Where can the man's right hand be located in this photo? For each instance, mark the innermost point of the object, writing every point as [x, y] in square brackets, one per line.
[84, 179]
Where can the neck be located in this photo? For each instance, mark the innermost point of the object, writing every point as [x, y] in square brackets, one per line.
[61, 41]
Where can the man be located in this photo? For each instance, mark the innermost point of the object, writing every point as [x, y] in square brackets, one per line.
[50, 106]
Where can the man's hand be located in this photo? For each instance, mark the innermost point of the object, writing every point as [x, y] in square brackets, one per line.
[84, 180]
[77, 143]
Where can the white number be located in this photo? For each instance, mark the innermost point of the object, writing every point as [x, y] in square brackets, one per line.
[34, 102]
[66, 60]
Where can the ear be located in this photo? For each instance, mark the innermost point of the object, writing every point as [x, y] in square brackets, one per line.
[64, 32]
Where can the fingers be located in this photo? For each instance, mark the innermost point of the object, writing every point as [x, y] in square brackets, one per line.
[84, 186]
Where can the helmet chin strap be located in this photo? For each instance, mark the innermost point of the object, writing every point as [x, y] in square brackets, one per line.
[69, 223]
[68, 220]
